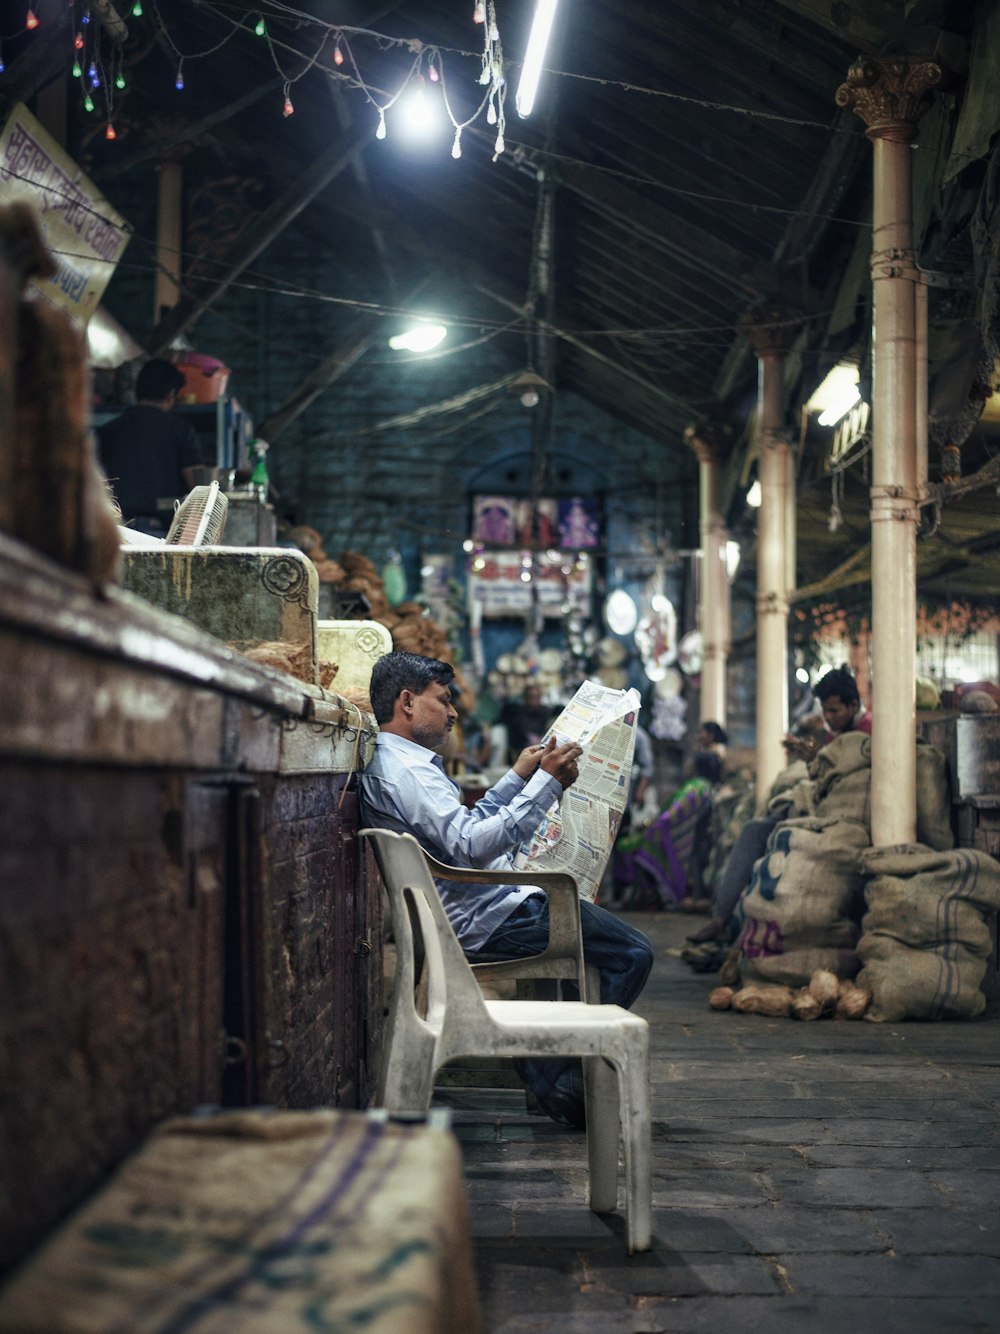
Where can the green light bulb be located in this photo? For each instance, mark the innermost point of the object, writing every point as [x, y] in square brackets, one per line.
[88, 103]
[260, 29]
[76, 71]
[137, 9]
[120, 81]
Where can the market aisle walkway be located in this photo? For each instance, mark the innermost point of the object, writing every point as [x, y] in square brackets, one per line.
[818, 1177]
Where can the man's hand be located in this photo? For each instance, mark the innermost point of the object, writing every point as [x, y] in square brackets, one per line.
[561, 761]
[801, 748]
[527, 762]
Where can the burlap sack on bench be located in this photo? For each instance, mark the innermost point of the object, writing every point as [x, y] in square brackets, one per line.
[254, 1222]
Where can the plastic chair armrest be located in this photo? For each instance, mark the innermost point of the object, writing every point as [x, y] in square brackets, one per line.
[565, 938]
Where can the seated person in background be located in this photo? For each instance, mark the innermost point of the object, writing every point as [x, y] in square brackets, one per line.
[838, 694]
[146, 454]
[658, 872]
[525, 721]
[405, 789]
[712, 738]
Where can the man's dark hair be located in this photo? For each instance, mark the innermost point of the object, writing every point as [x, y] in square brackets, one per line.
[707, 765]
[401, 671]
[717, 734]
[838, 681]
[156, 380]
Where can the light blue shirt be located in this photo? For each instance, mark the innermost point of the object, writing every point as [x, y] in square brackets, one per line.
[405, 788]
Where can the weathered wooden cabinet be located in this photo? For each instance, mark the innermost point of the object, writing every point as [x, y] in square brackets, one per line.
[183, 916]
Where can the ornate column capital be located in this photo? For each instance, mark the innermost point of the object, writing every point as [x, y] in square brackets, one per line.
[711, 441]
[889, 95]
[771, 328]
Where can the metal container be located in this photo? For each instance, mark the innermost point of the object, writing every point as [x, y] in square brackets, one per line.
[972, 745]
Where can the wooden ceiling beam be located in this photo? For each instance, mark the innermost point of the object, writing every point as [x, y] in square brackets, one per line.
[868, 26]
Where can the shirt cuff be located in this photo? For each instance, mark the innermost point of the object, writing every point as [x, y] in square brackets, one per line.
[542, 784]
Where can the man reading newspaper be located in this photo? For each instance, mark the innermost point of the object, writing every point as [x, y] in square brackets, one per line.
[405, 788]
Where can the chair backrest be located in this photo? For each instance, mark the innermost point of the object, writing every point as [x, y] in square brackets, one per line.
[421, 924]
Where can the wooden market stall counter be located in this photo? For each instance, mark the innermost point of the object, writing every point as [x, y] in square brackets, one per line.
[184, 917]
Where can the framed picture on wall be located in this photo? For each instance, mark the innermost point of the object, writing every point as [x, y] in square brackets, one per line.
[494, 520]
[579, 523]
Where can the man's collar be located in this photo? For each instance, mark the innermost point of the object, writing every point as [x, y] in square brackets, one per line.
[394, 741]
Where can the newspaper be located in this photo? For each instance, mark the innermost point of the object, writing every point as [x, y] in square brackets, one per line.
[578, 831]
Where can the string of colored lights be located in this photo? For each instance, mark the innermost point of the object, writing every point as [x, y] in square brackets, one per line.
[427, 63]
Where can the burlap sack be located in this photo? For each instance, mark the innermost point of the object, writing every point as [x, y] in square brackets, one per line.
[256, 1222]
[925, 939]
[933, 798]
[924, 899]
[804, 902]
[922, 984]
[842, 773]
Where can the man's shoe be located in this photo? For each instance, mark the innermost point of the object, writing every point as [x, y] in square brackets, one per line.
[567, 1108]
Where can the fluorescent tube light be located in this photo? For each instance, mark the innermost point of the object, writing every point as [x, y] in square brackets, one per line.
[531, 70]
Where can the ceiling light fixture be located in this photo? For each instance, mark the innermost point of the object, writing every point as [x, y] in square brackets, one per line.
[418, 338]
[835, 397]
[531, 70]
[529, 388]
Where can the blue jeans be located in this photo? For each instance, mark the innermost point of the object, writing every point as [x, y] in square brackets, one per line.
[622, 955]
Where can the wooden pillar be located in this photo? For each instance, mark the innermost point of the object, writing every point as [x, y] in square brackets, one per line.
[771, 330]
[169, 237]
[711, 444]
[889, 96]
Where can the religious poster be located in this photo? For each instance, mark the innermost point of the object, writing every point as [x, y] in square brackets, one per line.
[579, 523]
[538, 524]
[84, 234]
[493, 520]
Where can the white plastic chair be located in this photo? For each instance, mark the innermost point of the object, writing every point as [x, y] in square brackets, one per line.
[460, 1022]
[562, 958]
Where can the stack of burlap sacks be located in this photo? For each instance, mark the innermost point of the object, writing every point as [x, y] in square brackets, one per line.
[908, 922]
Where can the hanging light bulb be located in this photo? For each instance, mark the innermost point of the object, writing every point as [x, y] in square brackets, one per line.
[432, 73]
[456, 148]
[179, 81]
[479, 13]
[2, 65]
[338, 55]
[88, 103]
[499, 146]
[86, 16]
[31, 22]
[120, 80]
[288, 109]
[76, 71]
[491, 114]
[110, 132]
[380, 132]
[137, 9]
[78, 41]
[485, 77]
[261, 27]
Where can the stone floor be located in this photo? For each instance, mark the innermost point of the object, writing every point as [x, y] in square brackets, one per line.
[819, 1177]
